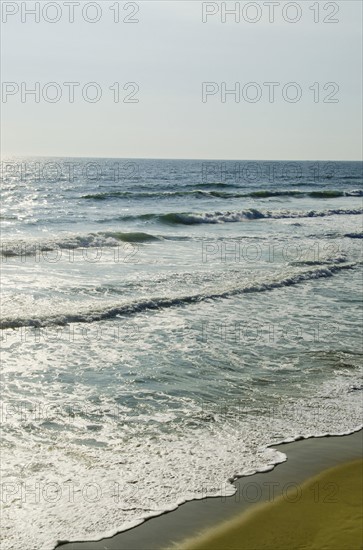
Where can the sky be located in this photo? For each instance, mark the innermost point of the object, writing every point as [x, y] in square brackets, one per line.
[175, 69]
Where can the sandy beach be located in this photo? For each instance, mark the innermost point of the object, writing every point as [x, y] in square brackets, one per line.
[323, 513]
[326, 470]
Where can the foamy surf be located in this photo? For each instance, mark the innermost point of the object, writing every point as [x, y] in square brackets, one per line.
[126, 377]
[131, 308]
[217, 217]
[250, 214]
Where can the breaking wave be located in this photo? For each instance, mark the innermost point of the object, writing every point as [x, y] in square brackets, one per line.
[72, 242]
[157, 303]
[249, 214]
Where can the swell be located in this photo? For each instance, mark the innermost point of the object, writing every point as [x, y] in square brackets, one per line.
[21, 248]
[193, 218]
[158, 303]
[199, 193]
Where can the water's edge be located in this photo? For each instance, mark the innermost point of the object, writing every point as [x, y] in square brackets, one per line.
[70, 545]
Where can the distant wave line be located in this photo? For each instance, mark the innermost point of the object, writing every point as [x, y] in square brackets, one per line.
[199, 193]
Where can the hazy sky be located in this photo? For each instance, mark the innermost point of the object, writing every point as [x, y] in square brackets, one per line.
[169, 53]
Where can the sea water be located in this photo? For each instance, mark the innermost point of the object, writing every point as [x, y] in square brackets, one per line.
[163, 321]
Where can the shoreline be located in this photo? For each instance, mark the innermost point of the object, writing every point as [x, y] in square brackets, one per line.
[325, 512]
[305, 458]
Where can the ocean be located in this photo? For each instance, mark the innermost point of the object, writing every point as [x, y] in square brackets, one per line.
[162, 323]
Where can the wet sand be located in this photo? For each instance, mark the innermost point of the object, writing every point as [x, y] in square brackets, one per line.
[305, 458]
[323, 513]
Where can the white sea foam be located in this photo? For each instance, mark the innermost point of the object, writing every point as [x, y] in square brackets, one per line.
[251, 214]
[171, 375]
[83, 493]
[157, 302]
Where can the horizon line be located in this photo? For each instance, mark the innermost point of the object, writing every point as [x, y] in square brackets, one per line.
[2, 156]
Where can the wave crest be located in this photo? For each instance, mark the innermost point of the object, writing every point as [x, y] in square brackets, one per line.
[250, 214]
[157, 303]
[73, 242]
[199, 192]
